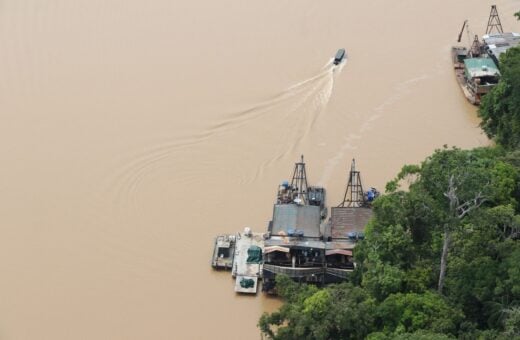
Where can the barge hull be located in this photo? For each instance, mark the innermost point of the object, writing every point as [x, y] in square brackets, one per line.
[458, 67]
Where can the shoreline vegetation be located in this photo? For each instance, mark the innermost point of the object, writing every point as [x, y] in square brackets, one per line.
[441, 258]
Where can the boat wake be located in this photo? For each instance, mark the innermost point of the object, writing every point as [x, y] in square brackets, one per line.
[309, 110]
[351, 141]
[300, 106]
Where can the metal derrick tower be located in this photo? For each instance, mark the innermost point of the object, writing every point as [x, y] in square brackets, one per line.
[494, 21]
[476, 48]
[354, 194]
[299, 183]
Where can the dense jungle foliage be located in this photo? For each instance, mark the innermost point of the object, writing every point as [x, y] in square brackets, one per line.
[441, 257]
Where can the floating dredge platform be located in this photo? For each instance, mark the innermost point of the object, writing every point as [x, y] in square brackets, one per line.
[299, 242]
[248, 262]
[242, 254]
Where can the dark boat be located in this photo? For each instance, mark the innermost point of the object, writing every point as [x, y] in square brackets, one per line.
[339, 56]
[223, 252]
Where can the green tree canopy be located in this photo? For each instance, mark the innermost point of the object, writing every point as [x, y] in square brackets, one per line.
[500, 109]
[407, 313]
[336, 312]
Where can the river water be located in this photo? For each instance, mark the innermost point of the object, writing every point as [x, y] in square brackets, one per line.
[134, 131]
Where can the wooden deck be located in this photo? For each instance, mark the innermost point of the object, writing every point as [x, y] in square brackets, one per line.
[345, 220]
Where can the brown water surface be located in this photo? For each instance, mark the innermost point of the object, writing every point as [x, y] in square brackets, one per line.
[134, 131]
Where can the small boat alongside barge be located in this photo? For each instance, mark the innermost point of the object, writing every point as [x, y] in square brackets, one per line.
[223, 252]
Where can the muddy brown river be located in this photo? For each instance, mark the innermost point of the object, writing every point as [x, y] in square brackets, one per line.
[132, 132]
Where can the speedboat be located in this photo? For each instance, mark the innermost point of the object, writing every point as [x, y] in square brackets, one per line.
[339, 56]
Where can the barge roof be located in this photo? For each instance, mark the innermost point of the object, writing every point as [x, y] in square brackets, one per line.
[290, 218]
[480, 67]
[348, 219]
[496, 44]
[276, 242]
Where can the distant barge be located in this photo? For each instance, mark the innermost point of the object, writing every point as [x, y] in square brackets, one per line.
[476, 68]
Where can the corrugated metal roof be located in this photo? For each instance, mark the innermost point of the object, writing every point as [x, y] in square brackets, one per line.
[293, 218]
[294, 242]
[340, 244]
[502, 39]
[291, 242]
[270, 249]
[499, 43]
[338, 251]
[345, 220]
[480, 67]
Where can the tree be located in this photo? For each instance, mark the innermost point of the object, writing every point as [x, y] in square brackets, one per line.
[461, 203]
[413, 312]
[336, 312]
[457, 211]
[500, 109]
[419, 335]
[382, 279]
[458, 182]
[512, 323]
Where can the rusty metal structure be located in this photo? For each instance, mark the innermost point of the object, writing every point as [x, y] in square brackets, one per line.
[354, 194]
[494, 21]
[299, 183]
[462, 30]
[299, 242]
[476, 48]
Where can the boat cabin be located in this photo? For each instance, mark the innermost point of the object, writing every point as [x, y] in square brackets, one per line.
[481, 75]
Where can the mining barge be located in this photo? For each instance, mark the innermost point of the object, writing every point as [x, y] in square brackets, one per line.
[299, 241]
